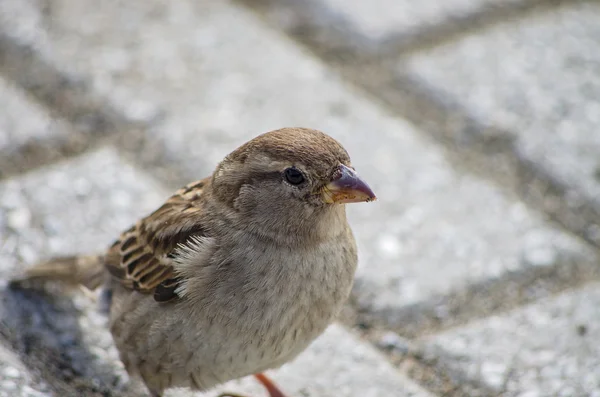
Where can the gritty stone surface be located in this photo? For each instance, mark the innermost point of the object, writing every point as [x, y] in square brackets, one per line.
[381, 18]
[208, 76]
[76, 207]
[16, 379]
[546, 349]
[538, 79]
[338, 364]
[22, 20]
[188, 62]
[22, 120]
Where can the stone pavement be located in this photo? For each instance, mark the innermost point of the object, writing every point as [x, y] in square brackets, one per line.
[474, 121]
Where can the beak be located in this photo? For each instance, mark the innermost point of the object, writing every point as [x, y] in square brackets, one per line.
[347, 187]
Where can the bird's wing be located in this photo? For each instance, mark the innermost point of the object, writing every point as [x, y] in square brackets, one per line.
[141, 259]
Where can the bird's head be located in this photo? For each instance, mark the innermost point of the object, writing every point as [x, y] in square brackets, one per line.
[291, 180]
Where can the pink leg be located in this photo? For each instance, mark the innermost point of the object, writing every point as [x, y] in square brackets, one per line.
[266, 382]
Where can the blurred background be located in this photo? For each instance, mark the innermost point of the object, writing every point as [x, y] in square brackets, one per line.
[476, 122]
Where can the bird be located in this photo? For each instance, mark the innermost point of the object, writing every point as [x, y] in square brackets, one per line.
[234, 274]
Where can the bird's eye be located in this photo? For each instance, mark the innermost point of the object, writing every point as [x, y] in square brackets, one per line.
[294, 176]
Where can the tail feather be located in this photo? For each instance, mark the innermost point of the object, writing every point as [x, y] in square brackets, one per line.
[85, 270]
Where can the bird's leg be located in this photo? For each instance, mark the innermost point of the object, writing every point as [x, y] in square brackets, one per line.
[266, 382]
[269, 385]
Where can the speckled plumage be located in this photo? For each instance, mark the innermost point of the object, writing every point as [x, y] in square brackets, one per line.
[234, 274]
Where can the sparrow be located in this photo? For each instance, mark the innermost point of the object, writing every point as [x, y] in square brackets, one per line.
[234, 274]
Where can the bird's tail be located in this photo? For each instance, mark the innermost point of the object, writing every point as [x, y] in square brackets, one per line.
[85, 270]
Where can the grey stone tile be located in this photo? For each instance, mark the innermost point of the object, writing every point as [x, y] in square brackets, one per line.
[22, 20]
[432, 231]
[76, 207]
[31, 135]
[27, 131]
[546, 349]
[337, 364]
[538, 79]
[22, 120]
[31, 63]
[16, 379]
[381, 18]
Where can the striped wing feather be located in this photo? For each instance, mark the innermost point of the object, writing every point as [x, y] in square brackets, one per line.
[141, 259]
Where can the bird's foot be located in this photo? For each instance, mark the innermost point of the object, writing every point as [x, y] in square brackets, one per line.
[266, 382]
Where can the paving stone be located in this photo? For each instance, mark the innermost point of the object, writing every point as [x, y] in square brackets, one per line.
[27, 59]
[337, 364]
[28, 133]
[22, 20]
[545, 349]
[15, 378]
[381, 18]
[433, 230]
[537, 79]
[21, 120]
[75, 207]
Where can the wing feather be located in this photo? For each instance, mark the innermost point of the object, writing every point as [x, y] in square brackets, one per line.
[141, 259]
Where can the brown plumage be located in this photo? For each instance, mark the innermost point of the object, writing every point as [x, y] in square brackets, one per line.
[233, 274]
[141, 258]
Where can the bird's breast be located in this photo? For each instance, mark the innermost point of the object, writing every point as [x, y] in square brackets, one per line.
[271, 303]
[250, 309]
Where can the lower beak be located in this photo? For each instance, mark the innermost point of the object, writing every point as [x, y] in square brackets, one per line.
[347, 187]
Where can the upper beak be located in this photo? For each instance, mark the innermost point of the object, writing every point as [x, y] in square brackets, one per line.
[347, 187]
